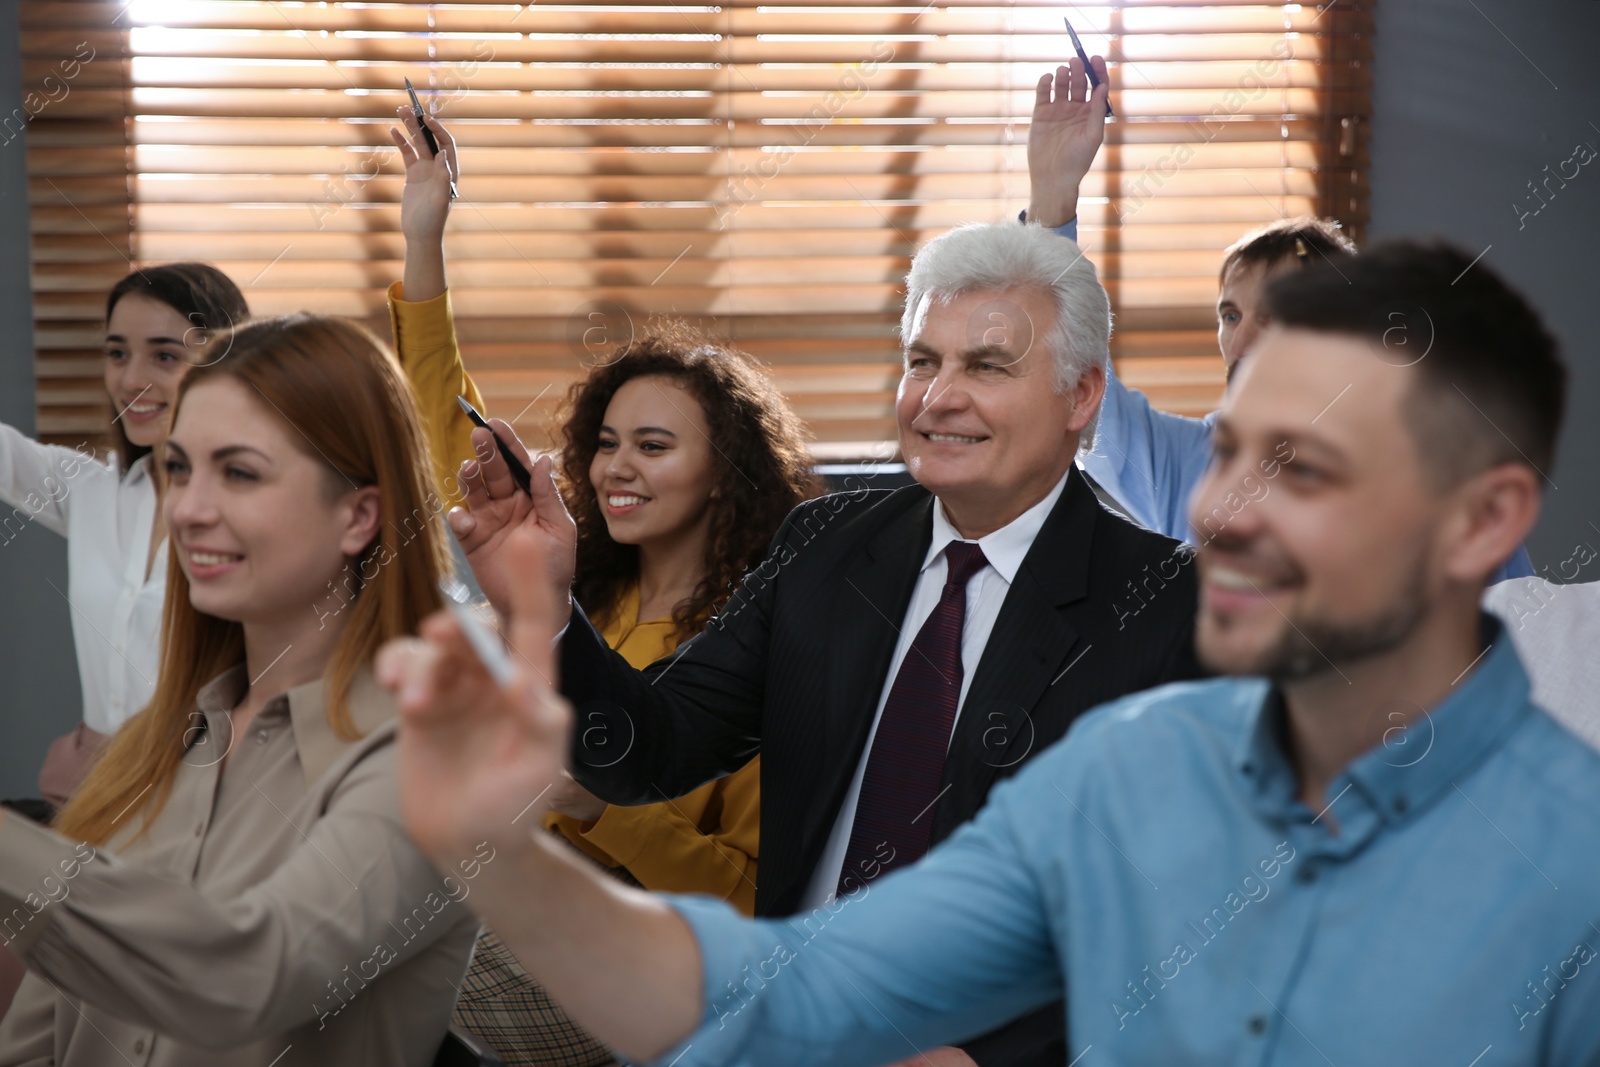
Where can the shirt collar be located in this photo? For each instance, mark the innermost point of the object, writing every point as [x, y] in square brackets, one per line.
[315, 741]
[1007, 547]
[1416, 763]
[141, 470]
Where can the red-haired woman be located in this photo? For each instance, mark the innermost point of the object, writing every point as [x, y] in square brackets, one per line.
[232, 884]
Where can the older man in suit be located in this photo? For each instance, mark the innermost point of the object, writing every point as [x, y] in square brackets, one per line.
[900, 652]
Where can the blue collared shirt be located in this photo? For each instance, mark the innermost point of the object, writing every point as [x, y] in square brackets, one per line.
[1158, 867]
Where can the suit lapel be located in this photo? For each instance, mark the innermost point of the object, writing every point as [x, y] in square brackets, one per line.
[871, 609]
[868, 588]
[1029, 647]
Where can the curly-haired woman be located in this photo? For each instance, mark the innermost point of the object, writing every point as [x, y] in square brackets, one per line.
[679, 461]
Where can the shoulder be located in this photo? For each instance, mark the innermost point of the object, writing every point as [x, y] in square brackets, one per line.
[1139, 748]
[1147, 734]
[1123, 535]
[1538, 606]
[1558, 771]
[1209, 711]
[1125, 552]
[336, 764]
[853, 512]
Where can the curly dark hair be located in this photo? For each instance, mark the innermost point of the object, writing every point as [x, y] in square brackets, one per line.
[761, 467]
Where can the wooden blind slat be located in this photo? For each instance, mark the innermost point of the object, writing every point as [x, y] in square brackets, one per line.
[765, 168]
[314, 72]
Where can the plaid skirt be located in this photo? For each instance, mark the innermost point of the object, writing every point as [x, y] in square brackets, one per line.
[502, 1006]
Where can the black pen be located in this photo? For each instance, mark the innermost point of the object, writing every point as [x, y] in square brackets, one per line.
[1094, 80]
[519, 473]
[433, 145]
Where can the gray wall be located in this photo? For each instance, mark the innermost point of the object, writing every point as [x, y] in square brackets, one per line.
[1472, 100]
[39, 697]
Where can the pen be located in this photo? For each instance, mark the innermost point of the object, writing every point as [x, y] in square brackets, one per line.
[433, 145]
[483, 641]
[1094, 79]
[519, 473]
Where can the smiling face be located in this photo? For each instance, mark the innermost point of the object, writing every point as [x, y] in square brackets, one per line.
[1319, 534]
[149, 347]
[653, 468]
[258, 525]
[1241, 311]
[981, 424]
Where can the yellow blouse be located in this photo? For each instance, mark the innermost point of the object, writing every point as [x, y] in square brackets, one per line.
[703, 842]
[425, 341]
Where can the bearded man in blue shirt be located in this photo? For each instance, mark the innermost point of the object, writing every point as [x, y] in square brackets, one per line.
[1366, 847]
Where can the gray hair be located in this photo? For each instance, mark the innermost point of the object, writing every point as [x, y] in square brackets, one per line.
[982, 256]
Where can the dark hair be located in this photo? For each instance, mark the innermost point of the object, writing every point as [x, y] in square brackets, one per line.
[1491, 384]
[761, 470]
[200, 293]
[1309, 239]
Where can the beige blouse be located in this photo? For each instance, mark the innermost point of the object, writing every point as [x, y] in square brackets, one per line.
[276, 914]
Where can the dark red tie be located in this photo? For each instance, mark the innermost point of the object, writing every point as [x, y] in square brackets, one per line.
[894, 815]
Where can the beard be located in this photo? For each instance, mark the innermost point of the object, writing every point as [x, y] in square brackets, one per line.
[1309, 646]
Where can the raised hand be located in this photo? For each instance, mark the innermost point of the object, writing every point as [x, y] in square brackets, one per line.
[1069, 125]
[478, 762]
[424, 203]
[496, 508]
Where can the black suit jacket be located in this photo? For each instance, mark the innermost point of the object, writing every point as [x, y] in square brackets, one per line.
[794, 665]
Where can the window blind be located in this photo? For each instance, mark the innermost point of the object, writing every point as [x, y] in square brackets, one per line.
[767, 168]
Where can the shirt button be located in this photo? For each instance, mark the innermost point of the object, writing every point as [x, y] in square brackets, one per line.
[138, 1047]
[1256, 1024]
[1400, 805]
[1306, 875]
[261, 737]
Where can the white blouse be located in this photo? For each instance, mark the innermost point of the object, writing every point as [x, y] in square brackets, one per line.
[106, 518]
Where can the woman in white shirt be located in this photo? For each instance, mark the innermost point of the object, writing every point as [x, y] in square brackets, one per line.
[157, 321]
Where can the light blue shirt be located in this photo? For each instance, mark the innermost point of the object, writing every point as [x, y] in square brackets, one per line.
[1157, 866]
[1151, 461]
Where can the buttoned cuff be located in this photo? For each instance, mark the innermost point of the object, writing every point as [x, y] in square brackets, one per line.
[1068, 229]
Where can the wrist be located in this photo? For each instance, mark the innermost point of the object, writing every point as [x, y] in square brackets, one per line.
[1050, 215]
[425, 241]
[1051, 212]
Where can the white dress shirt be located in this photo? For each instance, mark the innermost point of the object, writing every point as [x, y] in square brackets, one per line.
[1555, 628]
[1004, 551]
[106, 518]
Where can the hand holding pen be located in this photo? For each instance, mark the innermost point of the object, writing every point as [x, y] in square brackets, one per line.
[519, 473]
[507, 490]
[425, 125]
[425, 202]
[1065, 134]
[1096, 77]
[426, 149]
